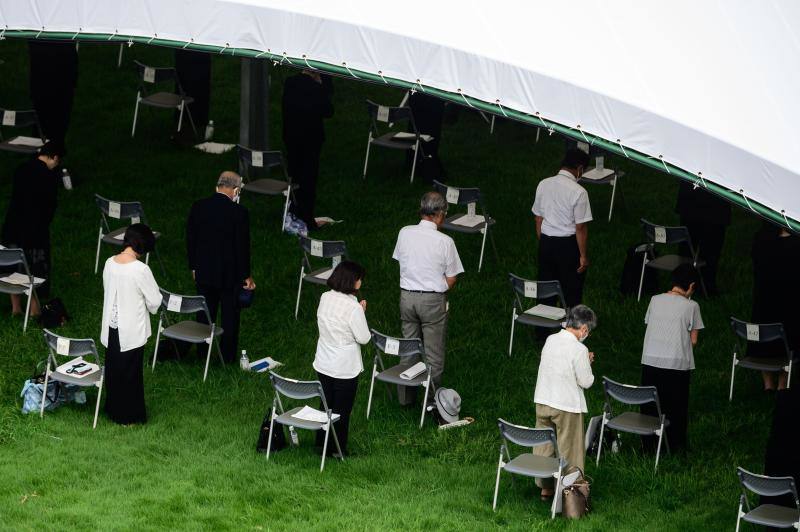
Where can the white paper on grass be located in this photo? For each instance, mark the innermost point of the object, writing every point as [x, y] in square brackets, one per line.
[316, 248]
[150, 74]
[383, 114]
[62, 346]
[114, 209]
[257, 159]
[753, 332]
[9, 118]
[531, 289]
[174, 303]
[660, 235]
[392, 346]
[452, 195]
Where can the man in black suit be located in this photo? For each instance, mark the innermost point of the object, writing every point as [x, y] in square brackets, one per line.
[218, 245]
[306, 103]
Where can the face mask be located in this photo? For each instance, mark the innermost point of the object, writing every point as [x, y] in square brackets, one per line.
[583, 338]
[236, 196]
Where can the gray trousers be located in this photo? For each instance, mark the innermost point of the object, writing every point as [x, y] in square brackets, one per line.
[424, 315]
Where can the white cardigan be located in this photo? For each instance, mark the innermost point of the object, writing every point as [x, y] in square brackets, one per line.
[564, 372]
[136, 292]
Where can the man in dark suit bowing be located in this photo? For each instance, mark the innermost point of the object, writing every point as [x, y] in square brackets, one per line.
[218, 246]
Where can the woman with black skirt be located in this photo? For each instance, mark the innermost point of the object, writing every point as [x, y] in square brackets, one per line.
[130, 292]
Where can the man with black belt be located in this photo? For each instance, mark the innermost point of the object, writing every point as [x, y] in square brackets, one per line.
[218, 245]
[429, 264]
[562, 212]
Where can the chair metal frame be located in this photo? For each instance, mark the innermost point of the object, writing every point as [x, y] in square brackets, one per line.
[189, 305]
[128, 210]
[649, 395]
[764, 332]
[472, 198]
[544, 289]
[765, 486]
[77, 347]
[161, 75]
[22, 118]
[407, 347]
[527, 437]
[671, 235]
[13, 257]
[391, 115]
[295, 389]
[336, 250]
[270, 159]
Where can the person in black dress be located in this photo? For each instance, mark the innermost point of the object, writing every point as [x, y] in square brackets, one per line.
[776, 290]
[428, 114]
[34, 195]
[53, 78]
[306, 103]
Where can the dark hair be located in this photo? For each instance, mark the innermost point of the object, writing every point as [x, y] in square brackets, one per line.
[683, 276]
[575, 158]
[344, 277]
[53, 148]
[140, 238]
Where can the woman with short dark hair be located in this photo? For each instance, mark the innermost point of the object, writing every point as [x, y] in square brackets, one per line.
[130, 292]
[342, 327]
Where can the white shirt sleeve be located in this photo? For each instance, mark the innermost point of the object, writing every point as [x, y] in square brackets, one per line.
[537, 204]
[647, 314]
[697, 320]
[358, 324]
[150, 291]
[398, 246]
[582, 211]
[583, 370]
[453, 266]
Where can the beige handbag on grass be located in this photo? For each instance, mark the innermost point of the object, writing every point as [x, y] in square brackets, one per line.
[577, 500]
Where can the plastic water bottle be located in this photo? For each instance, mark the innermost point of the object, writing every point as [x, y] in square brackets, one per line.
[244, 362]
[293, 435]
[209, 130]
[66, 178]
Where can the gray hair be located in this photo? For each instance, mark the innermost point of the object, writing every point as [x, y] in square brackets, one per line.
[432, 203]
[581, 315]
[229, 179]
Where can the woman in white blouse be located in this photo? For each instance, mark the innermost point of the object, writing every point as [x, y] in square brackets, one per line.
[342, 327]
[130, 292]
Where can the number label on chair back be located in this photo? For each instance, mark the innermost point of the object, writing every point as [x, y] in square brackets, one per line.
[660, 235]
[62, 346]
[383, 114]
[135, 220]
[753, 332]
[316, 248]
[149, 75]
[531, 289]
[9, 118]
[114, 209]
[392, 346]
[257, 159]
[471, 208]
[452, 195]
[174, 303]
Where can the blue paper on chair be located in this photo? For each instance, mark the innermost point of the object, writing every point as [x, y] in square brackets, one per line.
[264, 364]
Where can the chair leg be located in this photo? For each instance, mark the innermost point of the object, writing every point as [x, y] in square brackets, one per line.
[336, 441]
[271, 426]
[97, 253]
[191, 121]
[285, 208]
[428, 385]
[414, 164]
[789, 376]
[613, 193]
[219, 353]
[27, 310]
[513, 322]
[371, 388]
[44, 390]
[600, 443]
[147, 258]
[208, 357]
[497, 481]
[658, 448]
[299, 290]
[641, 276]
[555, 494]
[739, 517]
[366, 157]
[135, 114]
[119, 57]
[155, 351]
[538, 132]
[483, 246]
[325, 446]
[733, 371]
[491, 126]
[97, 405]
[180, 115]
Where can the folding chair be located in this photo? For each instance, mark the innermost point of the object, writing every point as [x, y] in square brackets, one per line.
[760, 333]
[20, 143]
[130, 211]
[659, 234]
[632, 422]
[71, 348]
[164, 100]
[324, 249]
[397, 140]
[16, 257]
[769, 515]
[190, 331]
[527, 289]
[471, 197]
[301, 390]
[529, 464]
[408, 349]
[249, 159]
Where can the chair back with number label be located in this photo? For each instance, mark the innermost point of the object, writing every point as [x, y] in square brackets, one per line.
[250, 159]
[402, 347]
[131, 211]
[150, 75]
[69, 347]
[760, 333]
[661, 234]
[459, 195]
[384, 114]
[323, 249]
[11, 118]
[529, 289]
[181, 304]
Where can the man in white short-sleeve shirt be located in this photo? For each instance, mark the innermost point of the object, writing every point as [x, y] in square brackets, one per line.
[429, 265]
[562, 213]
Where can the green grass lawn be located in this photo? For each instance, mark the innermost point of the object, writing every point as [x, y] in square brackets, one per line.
[194, 466]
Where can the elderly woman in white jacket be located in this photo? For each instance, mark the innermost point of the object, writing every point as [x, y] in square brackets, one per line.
[130, 292]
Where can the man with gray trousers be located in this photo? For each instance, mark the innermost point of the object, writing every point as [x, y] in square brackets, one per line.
[429, 264]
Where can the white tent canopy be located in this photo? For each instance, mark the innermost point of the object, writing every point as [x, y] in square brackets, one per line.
[710, 87]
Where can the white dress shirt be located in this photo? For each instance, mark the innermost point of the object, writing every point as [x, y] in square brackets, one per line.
[426, 257]
[134, 290]
[564, 372]
[562, 203]
[342, 326]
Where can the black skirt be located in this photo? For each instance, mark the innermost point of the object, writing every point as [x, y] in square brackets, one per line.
[124, 383]
[673, 397]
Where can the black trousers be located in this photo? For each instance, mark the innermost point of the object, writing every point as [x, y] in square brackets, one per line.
[709, 239]
[559, 259]
[228, 300]
[194, 73]
[340, 395]
[303, 162]
[124, 383]
[673, 396]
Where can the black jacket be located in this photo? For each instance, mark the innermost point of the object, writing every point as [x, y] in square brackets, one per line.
[33, 204]
[306, 104]
[218, 242]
